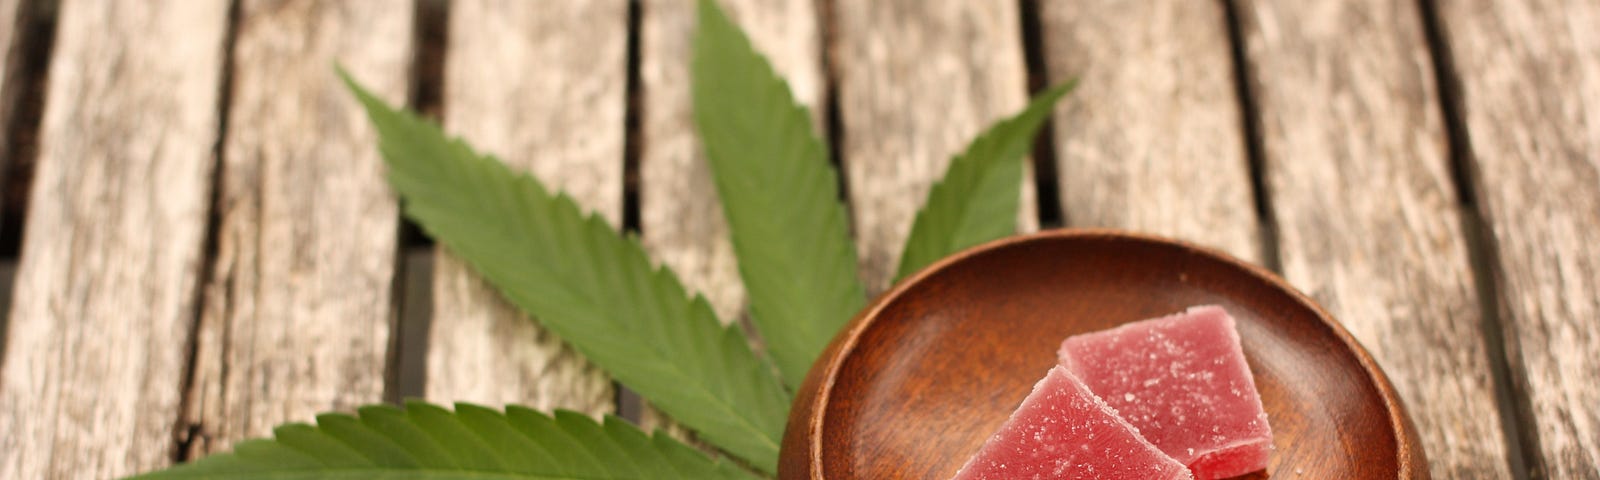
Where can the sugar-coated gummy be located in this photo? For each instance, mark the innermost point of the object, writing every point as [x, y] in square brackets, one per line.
[1062, 431]
[1183, 382]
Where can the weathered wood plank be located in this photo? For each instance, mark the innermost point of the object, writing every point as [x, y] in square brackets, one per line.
[105, 299]
[681, 221]
[543, 86]
[1153, 139]
[1530, 95]
[917, 81]
[298, 311]
[1357, 168]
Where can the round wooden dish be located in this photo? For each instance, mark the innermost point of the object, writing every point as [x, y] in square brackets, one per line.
[916, 383]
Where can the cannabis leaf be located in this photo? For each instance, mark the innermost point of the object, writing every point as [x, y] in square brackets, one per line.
[976, 201]
[423, 441]
[780, 196]
[587, 283]
[598, 290]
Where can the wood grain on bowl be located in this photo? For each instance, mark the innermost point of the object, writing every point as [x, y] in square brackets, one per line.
[917, 382]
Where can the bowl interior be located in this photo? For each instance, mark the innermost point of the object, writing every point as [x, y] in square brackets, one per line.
[938, 364]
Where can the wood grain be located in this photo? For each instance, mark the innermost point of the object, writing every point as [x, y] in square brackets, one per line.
[681, 220]
[298, 311]
[1529, 74]
[106, 291]
[1357, 169]
[917, 81]
[522, 83]
[1153, 139]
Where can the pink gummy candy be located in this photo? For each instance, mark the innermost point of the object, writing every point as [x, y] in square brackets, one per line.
[1182, 381]
[1062, 431]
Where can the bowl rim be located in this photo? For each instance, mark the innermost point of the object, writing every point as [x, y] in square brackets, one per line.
[809, 410]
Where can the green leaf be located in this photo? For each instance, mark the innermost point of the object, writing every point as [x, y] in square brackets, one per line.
[976, 201]
[780, 195]
[592, 286]
[422, 441]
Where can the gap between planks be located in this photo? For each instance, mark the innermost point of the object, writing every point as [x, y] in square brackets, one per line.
[297, 315]
[629, 405]
[1155, 110]
[1521, 441]
[1250, 122]
[1521, 83]
[917, 81]
[504, 60]
[187, 434]
[26, 57]
[407, 372]
[94, 251]
[1354, 158]
[1046, 183]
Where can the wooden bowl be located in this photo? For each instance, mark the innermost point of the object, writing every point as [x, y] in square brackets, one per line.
[917, 382]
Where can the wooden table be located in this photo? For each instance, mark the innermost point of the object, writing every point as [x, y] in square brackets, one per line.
[210, 248]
